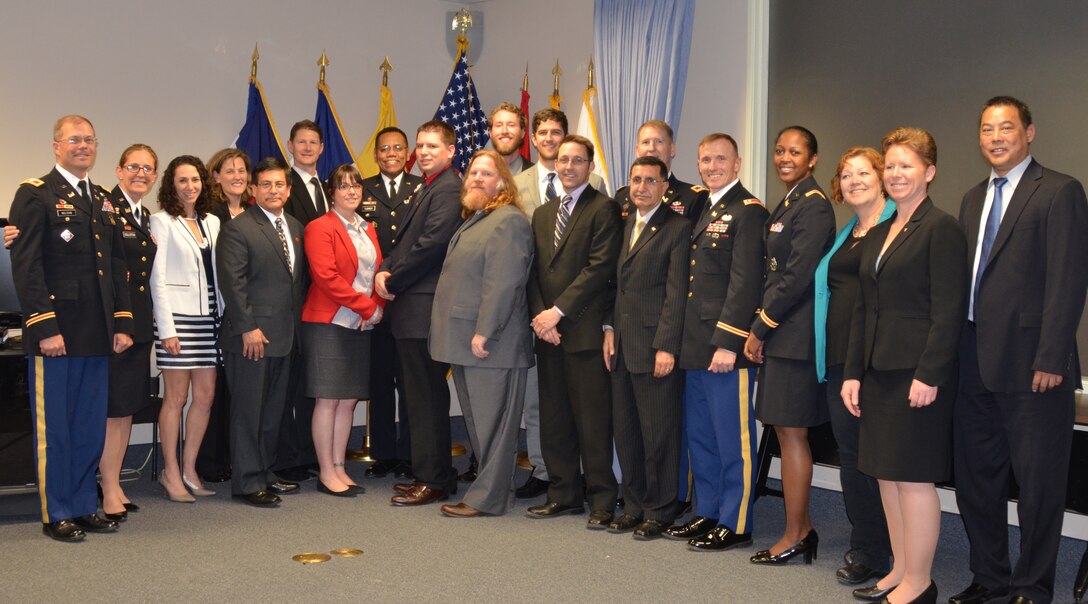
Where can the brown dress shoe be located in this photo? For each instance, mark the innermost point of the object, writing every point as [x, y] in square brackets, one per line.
[405, 487]
[420, 495]
[461, 510]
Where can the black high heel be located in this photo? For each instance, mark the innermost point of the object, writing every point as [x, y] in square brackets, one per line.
[121, 517]
[806, 547]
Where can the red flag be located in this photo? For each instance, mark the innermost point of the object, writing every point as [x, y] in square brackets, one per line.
[525, 112]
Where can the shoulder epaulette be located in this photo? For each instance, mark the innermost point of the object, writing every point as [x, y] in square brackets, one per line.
[752, 201]
[815, 192]
[37, 182]
[698, 189]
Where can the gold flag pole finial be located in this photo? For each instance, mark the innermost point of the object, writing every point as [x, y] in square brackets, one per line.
[556, 72]
[386, 67]
[462, 21]
[591, 72]
[256, 57]
[323, 62]
[525, 80]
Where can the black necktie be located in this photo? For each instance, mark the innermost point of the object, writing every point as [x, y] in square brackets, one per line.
[83, 191]
[283, 240]
[392, 189]
[550, 191]
[319, 197]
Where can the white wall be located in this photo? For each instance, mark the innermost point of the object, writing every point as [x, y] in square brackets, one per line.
[175, 75]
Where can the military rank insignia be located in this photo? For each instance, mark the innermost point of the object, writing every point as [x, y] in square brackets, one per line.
[678, 207]
[777, 227]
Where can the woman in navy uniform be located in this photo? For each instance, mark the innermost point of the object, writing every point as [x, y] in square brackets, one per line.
[799, 232]
[130, 371]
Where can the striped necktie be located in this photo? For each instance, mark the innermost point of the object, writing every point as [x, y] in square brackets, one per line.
[283, 240]
[561, 218]
[550, 193]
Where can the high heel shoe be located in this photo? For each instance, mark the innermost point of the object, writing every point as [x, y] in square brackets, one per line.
[119, 517]
[198, 491]
[805, 547]
[929, 596]
[131, 507]
[186, 498]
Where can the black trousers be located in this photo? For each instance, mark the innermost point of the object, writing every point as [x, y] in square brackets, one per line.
[576, 426]
[296, 446]
[389, 439]
[427, 395]
[860, 492]
[259, 391]
[1030, 434]
[214, 455]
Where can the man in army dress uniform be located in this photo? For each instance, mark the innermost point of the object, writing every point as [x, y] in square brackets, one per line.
[71, 279]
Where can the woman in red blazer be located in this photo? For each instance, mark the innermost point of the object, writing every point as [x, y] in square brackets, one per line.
[340, 311]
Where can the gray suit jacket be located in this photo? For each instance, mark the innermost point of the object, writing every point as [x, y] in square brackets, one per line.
[258, 289]
[482, 291]
[529, 188]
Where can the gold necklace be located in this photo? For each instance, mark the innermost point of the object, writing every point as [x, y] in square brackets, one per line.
[861, 231]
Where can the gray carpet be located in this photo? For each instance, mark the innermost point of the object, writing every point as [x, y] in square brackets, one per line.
[219, 550]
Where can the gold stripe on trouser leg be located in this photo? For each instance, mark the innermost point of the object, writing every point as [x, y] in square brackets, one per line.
[745, 450]
[39, 425]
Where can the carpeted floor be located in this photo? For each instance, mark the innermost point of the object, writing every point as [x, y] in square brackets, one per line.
[217, 550]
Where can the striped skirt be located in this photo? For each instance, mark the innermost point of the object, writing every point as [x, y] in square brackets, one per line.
[199, 341]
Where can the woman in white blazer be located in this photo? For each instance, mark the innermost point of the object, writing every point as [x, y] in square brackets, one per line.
[187, 303]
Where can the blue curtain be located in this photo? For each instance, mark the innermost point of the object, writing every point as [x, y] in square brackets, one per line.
[641, 50]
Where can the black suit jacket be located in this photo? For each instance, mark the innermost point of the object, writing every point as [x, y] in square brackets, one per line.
[1033, 287]
[387, 214]
[681, 197]
[69, 267]
[799, 232]
[576, 275]
[910, 309]
[726, 283]
[258, 288]
[140, 256]
[415, 262]
[300, 204]
[651, 289]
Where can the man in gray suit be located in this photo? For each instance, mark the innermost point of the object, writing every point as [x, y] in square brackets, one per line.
[262, 275]
[641, 346]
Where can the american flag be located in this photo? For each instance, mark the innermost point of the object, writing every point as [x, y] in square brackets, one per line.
[460, 109]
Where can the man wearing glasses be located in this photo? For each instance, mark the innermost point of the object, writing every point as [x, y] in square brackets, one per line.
[71, 279]
[262, 275]
[387, 198]
[577, 241]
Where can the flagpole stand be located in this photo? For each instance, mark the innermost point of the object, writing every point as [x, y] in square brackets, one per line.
[362, 454]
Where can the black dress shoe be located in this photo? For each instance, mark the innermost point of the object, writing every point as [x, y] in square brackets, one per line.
[217, 477]
[92, 523]
[929, 596]
[119, 517]
[624, 523]
[131, 507]
[296, 474]
[261, 499]
[472, 471]
[682, 507]
[720, 539]
[806, 548]
[976, 593]
[872, 593]
[856, 573]
[1021, 600]
[404, 470]
[534, 487]
[552, 509]
[348, 492]
[696, 527]
[380, 468]
[649, 529]
[282, 487]
[599, 520]
[63, 530]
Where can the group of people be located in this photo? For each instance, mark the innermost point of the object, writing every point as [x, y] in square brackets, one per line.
[638, 324]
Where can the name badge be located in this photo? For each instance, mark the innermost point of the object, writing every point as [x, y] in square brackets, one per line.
[369, 206]
[128, 234]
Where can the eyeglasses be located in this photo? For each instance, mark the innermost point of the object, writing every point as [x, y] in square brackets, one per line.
[344, 187]
[574, 161]
[75, 140]
[638, 180]
[386, 148]
[134, 168]
[268, 185]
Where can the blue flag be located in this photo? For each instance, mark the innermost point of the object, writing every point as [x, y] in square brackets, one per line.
[337, 148]
[460, 109]
[258, 136]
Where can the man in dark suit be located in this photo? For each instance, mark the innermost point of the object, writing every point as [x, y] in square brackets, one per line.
[70, 275]
[408, 278]
[296, 458]
[507, 124]
[641, 345]
[724, 291]
[386, 201]
[262, 276]
[655, 139]
[577, 241]
[1028, 257]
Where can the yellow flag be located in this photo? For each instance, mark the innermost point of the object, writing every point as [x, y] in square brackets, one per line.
[387, 117]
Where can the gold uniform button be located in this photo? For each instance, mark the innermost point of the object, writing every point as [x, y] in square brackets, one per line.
[101, 273]
[95, 235]
[99, 254]
[394, 227]
[143, 274]
[713, 245]
[143, 258]
[693, 262]
[67, 219]
[143, 243]
[690, 294]
[693, 246]
[141, 288]
[52, 297]
[392, 212]
[691, 278]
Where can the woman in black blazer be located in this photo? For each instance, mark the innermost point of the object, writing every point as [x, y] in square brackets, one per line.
[901, 361]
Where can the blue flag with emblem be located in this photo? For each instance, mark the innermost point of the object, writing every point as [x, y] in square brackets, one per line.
[258, 136]
[460, 108]
[337, 148]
